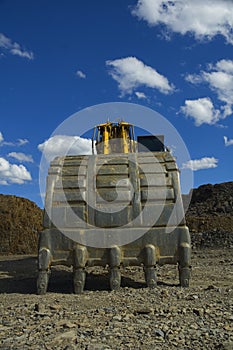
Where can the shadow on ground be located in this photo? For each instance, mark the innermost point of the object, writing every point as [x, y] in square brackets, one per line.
[19, 274]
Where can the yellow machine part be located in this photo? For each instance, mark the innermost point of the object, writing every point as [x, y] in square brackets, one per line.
[114, 138]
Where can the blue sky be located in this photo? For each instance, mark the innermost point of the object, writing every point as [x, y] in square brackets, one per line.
[59, 57]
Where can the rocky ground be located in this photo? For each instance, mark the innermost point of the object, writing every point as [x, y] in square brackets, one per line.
[168, 317]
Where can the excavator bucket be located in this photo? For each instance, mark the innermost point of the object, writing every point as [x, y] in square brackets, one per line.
[120, 206]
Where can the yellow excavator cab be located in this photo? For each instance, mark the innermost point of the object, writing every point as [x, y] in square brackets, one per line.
[113, 137]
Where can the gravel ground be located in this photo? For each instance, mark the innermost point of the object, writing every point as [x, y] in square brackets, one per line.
[168, 317]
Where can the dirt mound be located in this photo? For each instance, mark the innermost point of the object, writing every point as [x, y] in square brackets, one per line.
[210, 215]
[213, 200]
[20, 221]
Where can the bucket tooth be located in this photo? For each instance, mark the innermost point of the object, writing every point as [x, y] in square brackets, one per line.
[44, 259]
[150, 277]
[184, 276]
[79, 273]
[79, 279]
[44, 262]
[184, 265]
[42, 282]
[149, 266]
[115, 274]
[115, 278]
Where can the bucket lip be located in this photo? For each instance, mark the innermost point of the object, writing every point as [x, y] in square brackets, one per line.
[112, 155]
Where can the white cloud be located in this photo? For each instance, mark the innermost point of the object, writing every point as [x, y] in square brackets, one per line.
[203, 19]
[80, 74]
[219, 77]
[18, 143]
[198, 164]
[13, 173]
[140, 95]
[22, 142]
[130, 73]
[201, 110]
[225, 66]
[194, 78]
[5, 143]
[60, 145]
[14, 48]
[228, 142]
[21, 157]
[221, 83]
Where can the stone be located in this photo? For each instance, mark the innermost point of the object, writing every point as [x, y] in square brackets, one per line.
[97, 347]
[70, 335]
[158, 333]
[117, 318]
[198, 312]
[144, 310]
[227, 346]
